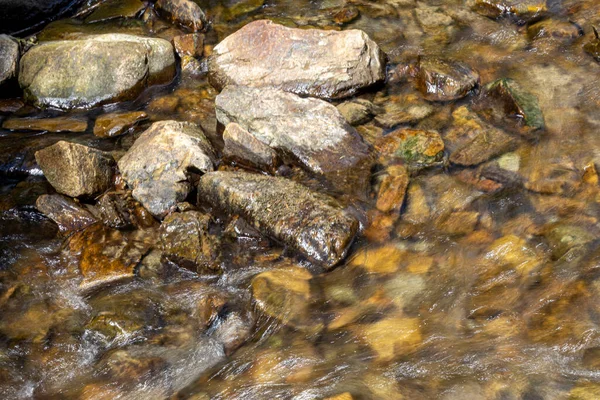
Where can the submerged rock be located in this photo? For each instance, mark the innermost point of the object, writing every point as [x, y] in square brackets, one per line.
[76, 170]
[308, 222]
[187, 242]
[311, 131]
[115, 124]
[521, 10]
[443, 80]
[58, 124]
[242, 146]
[285, 294]
[392, 189]
[183, 12]
[505, 103]
[115, 9]
[94, 70]
[472, 141]
[310, 62]
[9, 59]
[68, 214]
[158, 164]
[592, 47]
[357, 112]
[415, 147]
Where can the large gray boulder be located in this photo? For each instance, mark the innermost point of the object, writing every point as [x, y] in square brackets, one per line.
[311, 131]
[9, 58]
[309, 222]
[326, 64]
[95, 70]
[158, 165]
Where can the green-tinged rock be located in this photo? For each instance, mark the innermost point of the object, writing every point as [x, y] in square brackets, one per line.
[94, 70]
[414, 147]
[505, 103]
[308, 222]
[115, 9]
[9, 58]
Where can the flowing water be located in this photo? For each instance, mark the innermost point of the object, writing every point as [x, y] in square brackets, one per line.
[486, 286]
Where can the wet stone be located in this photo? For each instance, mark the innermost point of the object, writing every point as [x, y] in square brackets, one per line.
[129, 367]
[68, 214]
[505, 103]
[115, 124]
[346, 15]
[122, 211]
[357, 112]
[521, 10]
[186, 13]
[76, 170]
[311, 131]
[553, 28]
[406, 109]
[392, 189]
[284, 294]
[187, 242]
[592, 47]
[443, 80]
[307, 221]
[235, 329]
[116, 9]
[58, 124]
[391, 337]
[191, 45]
[158, 165]
[105, 256]
[310, 62]
[472, 141]
[412, 146]
[94, 70]
[236, 8]
[9, 59]
[242, 146]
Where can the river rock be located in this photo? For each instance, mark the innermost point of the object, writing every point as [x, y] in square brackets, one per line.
[392, 189]
[9, 58]
[76, 170]
[68, 214]
[122, 211]
[115, 124]
[17, 15]
[116, 9]
[414, 147]
[191, 45]
[187, 242]
[58, 124]
[311, 131]
[505, 103]
[159, 162]
[357, 112]
[234, 330]
[308, 222]
[592, 47]
[183, 12]
[311, 62]
[94, 70]
[242, 146]
[520, 10]
[442, 80]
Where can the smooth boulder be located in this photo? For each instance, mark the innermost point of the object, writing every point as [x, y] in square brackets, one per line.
[309, 222]
[76, 170]
[95, 70]
[158, 164]
[310, 132]
[327, 64]
[9, 59]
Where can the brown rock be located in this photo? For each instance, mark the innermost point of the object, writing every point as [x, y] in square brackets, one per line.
[68, 214]
[327, 64]
[191, 45]
[444, 80]
[392, 189]
[76, 170]
[59, 124]
[122, 211]
[413, 146]
[183, 12]
[115, 124]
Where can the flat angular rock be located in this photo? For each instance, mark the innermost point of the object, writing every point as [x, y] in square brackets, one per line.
[191, 45]
[67, 213]
[307, 221]
[414, 147]
[115, 124]
[311, 131]
[326, 64]
[121, 211]
[443, 80]
[9, 58]
[183, 12]
[95, 70]
[159, 162]
[115, 9]
[76, 170]
[242, 146]
[58, 124]
[520, 10]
